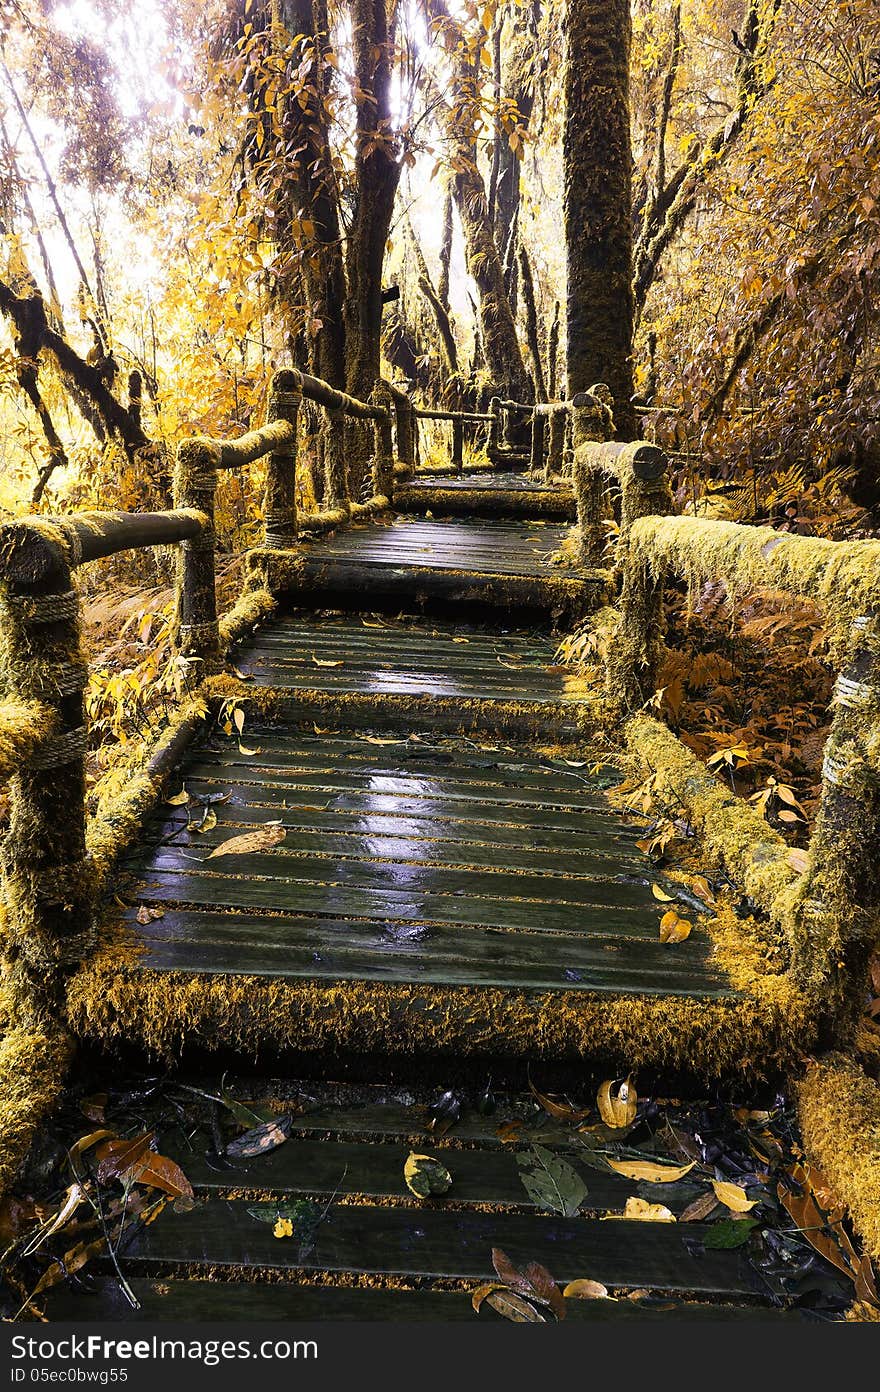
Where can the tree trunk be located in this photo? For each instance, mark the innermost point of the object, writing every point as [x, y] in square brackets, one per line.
[377, 173]
[598, 202]
[311, 194]
[501, 349]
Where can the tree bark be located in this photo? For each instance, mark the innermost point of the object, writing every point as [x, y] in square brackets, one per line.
[377, 174]
[598, 202]
[311, 193]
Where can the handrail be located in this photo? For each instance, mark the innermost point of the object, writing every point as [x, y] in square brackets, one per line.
[830, 912]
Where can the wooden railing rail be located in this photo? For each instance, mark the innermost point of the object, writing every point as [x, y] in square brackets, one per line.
[199, 461]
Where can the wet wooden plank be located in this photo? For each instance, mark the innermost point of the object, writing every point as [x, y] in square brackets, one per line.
[399, 759]
[399, 846]
[487, 545]
[289, 802]
[329, 949]
[612, 890]
[418, 901]
[426, 838]
[372, 680]
[375, 1170]
[402, 785]
[180, 1301]
[442, 1243]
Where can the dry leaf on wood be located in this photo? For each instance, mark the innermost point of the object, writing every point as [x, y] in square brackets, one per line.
[250, 842]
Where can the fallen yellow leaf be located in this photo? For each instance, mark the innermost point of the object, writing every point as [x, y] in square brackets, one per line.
[661, 894]
[585, 1290]
[283, 1228]
[736, 1199]
[249, 842]
[650, 1171]
[640, 1211]
[617, 1106]
[674, 929]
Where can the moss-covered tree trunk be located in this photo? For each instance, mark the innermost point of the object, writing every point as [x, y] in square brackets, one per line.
[598, 201]
[501, 348]
[377, 173]
[310, 194]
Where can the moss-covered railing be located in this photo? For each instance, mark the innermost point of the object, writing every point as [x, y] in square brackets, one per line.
[200, 460]
[831, 913]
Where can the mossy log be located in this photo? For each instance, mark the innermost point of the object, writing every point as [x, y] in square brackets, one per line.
[113, 1000]
[249, 610]
[24, 726]
[118, 820]
[839, 1113]
[842, 576]
[733, 835]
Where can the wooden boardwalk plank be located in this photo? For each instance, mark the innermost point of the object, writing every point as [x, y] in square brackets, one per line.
[497, 547]
[464, 867]
[327, 949]
[325, 1168]
[436, 1242]
[172, 1301]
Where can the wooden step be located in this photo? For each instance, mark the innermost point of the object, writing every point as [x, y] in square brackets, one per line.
[407, 675]
[502, 870]
[183, 1301]
[487, 493]
[379, 1253]
[475, 564]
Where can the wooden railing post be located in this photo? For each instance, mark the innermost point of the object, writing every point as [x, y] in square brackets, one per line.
[383, 453]
[556, 444]
[195, 486]
[404, 427]
[335, 463]
[279, 500]
[493, 444]
[47, 883]
[591, 420]
[835, 916]
[536, 454]
[457, 444]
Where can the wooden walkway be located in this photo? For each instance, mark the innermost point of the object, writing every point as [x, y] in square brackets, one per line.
[444, 879]
[408, 862]
[381, 1254]
[487, 493]
[410, 562]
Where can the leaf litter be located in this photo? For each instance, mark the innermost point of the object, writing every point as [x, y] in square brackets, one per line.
[730, 1176]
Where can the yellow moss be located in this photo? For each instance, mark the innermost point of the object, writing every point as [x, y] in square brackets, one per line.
[24, 726]
[249, 610]
[844, 577]
[32, 1069]
[117, 822]
[839, 1111]
[362, 708]
[110, 1001]
[731, 832]
[483, 502]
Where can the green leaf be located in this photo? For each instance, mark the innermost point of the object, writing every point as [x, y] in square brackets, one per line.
[550, 1181]
[247, 1116]
[730, 1232]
